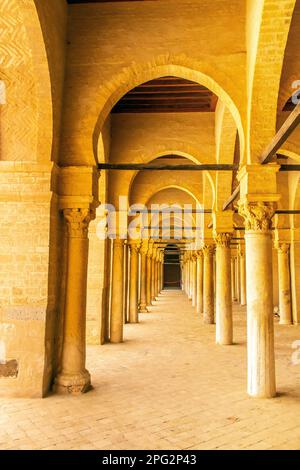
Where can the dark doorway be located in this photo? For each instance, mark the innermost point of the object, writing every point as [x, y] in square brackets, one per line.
[172, 271]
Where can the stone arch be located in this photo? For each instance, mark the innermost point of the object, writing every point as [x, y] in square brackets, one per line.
[108, 95]
[24, 69]
[264, 71]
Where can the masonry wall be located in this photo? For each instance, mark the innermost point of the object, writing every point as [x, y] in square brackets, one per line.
[31, 229]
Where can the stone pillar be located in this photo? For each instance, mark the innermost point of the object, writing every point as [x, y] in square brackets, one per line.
[148, 277]
[116, 320]
[284, 282]
[153, 275]
[156, 288]
[224, 330]
[133, 282]
[143, 299]
[257, 210]
[73, 377]
[126, 274]
[162, 270]
[199, 304]
[237, 277]
[243, 274]
[233, 282]
[194, 293]
[208, 284]
[191, 278]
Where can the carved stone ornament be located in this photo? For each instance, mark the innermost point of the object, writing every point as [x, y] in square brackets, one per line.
[77, 221]
[208, 250]
[283, 247]
[223, 238]
[257, 215]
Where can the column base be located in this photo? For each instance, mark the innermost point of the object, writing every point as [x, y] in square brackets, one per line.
[72, 384]
[208, 320]
[285, 322]
[143, 309]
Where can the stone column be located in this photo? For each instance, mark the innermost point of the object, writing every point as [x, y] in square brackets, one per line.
[116, 320]
[190, 276]
[156, 288]
[133, 282]
[143, 300]
[73, 377]
[284, 282]
[243, 275]
[237, 277]
[126, 283]
[153, 275]
[148, 277]
[194, 294]
[162, 270]
[199, 304]
[233, 283]
[208, 284]
[224, 330]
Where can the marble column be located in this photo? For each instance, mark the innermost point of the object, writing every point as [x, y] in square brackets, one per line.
[243, 275]
[260, 328]
[208, 284]
[284, 281]
[199, 303]
[190, 276]
[143, 299]
[126, 273]
[224, 329]
[73, 378]
[237, 277]
[116, 320]
[133, 282]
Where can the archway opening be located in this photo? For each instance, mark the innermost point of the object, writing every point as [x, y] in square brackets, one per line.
[172, 271]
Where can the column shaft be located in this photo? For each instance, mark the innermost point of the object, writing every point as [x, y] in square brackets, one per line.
[143, 301]
[133, 286]
[199, 283]
[116, 321]
[208, 285]
[284, 282]
[224, 330]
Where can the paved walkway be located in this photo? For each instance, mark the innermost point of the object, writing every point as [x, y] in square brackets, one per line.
[168, 386]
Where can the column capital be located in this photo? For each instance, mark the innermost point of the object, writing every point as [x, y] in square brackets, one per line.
[77, 221]
[282, 247]
[223, 238]
[208, 249]
[134, 245]
[257, 215]
[199, 253]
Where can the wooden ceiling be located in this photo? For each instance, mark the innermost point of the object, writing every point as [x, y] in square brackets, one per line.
[167, 95]
[74, 2]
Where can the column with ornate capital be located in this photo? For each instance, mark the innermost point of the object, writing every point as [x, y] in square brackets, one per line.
[257, 206]
[199, 302]
[143, 299]
[208, 284]
[133, 281]
[73, 377]
[116, 318]
[224, 331]
[284, 281]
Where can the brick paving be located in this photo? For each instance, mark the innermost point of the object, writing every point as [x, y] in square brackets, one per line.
[168, 386]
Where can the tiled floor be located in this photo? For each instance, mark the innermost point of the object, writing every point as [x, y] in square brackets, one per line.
[168, 386]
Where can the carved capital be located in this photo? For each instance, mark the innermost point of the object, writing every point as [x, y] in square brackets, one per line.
[257, 215]
[283, 248]
[134, 246]
[223, 239]
[77, 221]
[208, 250]
[199, 253]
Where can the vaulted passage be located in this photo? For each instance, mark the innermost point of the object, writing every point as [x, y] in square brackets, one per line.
[168, 386]
[150, 223]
